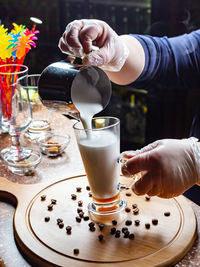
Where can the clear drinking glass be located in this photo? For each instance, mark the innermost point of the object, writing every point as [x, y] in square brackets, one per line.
[100, 151]
[16, 110]
[40, 124]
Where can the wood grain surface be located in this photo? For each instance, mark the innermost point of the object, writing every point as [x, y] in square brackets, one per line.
[46, 243]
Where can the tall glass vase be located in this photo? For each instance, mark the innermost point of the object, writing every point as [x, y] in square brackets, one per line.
[16, 110]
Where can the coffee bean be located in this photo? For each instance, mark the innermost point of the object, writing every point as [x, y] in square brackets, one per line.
[90, 194]
[43, 197]
[113, 231]
[114, 222]
[53, 201]
[136, 211]
[47, 219]
[155, 221]
[78, 189]
[59, 220]
[147, 198]
[81, 214]
[124, 229]
[91, 224]
[88, 188]
[137, 222]
[128, 194]
[100, 237]
[80, 203]
[131, 236]
[101, 226]
[127, 209]
[128, 222]
[68, 228]
[78, 219]
[92, 229]
[61, 225]
[117, 234]
[73, 196]
[76, 251]
[86, 218]
[50, 207]
[126, 234]
[134, 206]
[79, 210]
[167, 213]
[147, 225]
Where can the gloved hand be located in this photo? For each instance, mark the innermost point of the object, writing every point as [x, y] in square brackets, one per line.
[79, 37]
[168, 167]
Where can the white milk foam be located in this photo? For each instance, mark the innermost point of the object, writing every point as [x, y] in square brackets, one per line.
[99, 149]
[99, 155]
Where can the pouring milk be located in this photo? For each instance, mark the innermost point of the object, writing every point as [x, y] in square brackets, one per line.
[99, 149]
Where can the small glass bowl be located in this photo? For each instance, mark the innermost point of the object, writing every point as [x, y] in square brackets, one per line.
[26, 166]
[53, 145]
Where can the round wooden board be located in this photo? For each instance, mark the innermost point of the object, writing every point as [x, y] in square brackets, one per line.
[45, 244]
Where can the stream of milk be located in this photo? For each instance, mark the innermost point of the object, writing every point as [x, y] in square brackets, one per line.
[99, 149]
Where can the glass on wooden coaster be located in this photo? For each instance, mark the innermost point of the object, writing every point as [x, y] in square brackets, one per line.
[40, 124]
[100, 151]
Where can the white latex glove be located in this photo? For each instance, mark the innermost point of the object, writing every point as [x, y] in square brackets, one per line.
[79, 37]
[169, 167]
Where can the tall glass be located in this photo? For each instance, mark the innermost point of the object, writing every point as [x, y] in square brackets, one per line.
[16, 110]
[100, 151]
[40, 124]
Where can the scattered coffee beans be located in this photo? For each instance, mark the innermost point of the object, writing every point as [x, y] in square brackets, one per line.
[61, 225]
[47, 219]
[128, 222]
[124, 229]
[137, 222]
[86, 218]
[78, 189]
[117, 233]
[114, 222]
[147, 225]
[59, 220]
[68, 229]
[127, 209]
[131, 236]
[73, 196]
[134, 206]
[126, 234]
[79, 210]
[91, 224]
[128, 194]
[53, 201]
[154, 221]
[101, 226]
[78, 219]
[100, 237]
[147, 198]
[113, 231]
[167, 214]
[80, 203]
[136, 211]
[90, 194]
[88, 188]
[76, 251]
[81, 214]
[50, 207]
[43, 197]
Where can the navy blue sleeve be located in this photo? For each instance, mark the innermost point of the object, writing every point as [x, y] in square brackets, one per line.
[170, 62]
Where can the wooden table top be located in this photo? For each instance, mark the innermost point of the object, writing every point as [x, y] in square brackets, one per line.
[51, 169]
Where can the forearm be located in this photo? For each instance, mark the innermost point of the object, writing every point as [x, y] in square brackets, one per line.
[134, 64]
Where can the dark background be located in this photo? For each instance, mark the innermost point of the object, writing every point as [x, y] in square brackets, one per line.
[145, 117]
